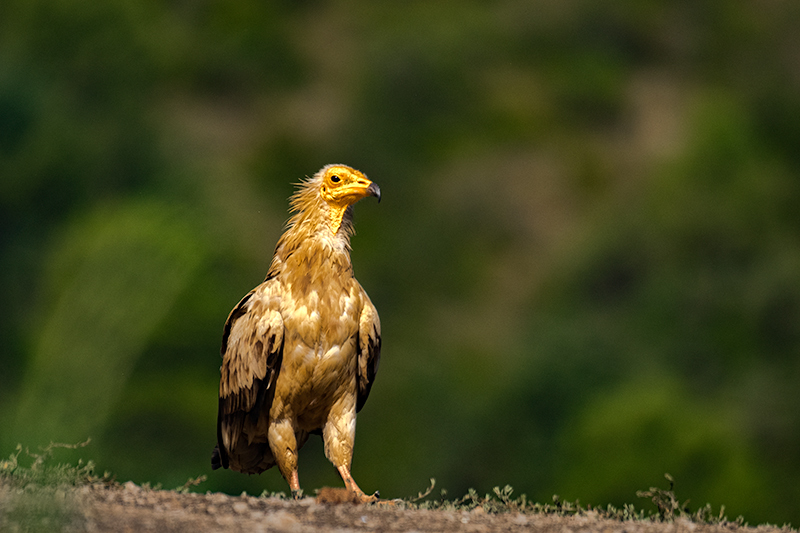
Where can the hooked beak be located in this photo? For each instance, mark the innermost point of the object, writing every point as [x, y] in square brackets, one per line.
[374, 190]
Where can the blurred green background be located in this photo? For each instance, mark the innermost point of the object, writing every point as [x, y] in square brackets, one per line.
[587, 260]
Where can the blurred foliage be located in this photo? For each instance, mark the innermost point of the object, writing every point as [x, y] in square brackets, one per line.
[586, 262]
[35, 489]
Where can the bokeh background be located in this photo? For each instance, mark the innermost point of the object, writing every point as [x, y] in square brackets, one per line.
[587, 257]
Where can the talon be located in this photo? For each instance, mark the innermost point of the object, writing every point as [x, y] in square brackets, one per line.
[369, 499]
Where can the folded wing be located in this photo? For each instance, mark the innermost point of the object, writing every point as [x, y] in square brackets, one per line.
[252, 352]
[369, 350]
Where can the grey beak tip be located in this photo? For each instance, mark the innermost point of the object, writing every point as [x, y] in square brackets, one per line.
[375, 191]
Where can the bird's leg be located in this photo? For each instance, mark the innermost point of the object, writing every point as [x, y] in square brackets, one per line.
[338, 435]
[351, 485]
[283, 444]
[294, 485]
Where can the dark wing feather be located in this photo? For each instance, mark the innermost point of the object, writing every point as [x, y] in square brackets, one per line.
[252, 352]
[369, 350]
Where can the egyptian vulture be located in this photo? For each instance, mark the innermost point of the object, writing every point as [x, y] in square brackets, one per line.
[301, 350]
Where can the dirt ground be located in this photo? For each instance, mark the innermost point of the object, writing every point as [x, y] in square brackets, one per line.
[130, 508]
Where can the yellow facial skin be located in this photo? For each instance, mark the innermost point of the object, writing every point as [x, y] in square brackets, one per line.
[343, 186]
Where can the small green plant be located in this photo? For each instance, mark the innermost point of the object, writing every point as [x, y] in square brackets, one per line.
[191, 482]
[40, 470]
[668, 507]
[36, 491]
[501, 500]
[665, 501]
[422, 495]
[270, 494]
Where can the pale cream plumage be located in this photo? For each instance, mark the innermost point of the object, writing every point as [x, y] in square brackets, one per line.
[301, 350]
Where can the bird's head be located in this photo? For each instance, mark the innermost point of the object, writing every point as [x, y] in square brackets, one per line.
[330, 192]
[342, 186]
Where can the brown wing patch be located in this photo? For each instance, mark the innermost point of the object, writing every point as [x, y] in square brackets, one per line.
[369, 350]
[252, 353]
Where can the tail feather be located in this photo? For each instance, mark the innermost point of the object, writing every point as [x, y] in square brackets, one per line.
[216, 459]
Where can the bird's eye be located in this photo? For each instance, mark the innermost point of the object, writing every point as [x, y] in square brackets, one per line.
[335, 179]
